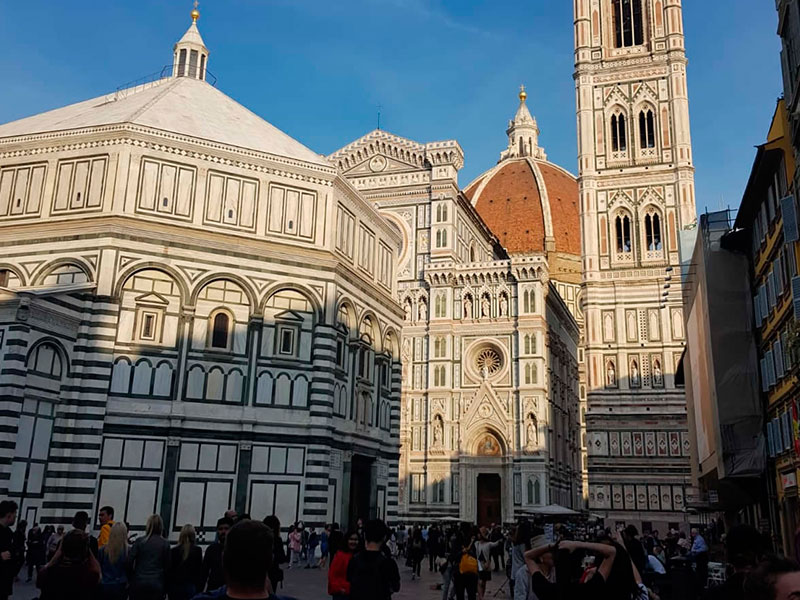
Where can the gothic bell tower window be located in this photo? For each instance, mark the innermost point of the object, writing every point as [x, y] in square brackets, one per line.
[628, 23]
[647, 129]
[622, 225]
[619, 140]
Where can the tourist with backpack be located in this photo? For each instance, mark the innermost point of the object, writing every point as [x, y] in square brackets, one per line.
[372, 576]
[465, 564]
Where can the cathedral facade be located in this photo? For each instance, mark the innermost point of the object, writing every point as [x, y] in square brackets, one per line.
[637, 197]
[489, 280]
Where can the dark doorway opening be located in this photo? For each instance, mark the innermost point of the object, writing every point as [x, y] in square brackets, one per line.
[360, 489]
[489, 500]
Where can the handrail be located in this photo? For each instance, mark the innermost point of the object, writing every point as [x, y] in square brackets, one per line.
[166, 71]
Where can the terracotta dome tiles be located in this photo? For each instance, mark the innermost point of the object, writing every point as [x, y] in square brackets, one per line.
[510, 203]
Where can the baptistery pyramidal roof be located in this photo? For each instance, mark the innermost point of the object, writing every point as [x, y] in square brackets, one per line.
[529, 203]
[180, 101]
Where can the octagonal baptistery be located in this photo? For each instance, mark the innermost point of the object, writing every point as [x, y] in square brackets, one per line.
[531, 205]
[197, 313]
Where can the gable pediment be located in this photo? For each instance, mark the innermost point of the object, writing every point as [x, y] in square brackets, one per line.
[381, 164]
[152, 298]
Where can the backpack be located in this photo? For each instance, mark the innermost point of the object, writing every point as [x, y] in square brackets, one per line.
[468, 563]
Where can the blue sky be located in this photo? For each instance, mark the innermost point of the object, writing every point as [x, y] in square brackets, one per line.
[441, 69]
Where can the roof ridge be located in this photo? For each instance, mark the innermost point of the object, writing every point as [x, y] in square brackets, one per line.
[147, 106]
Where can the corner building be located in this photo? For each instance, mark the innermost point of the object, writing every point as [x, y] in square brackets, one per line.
[182, 328]
[488, 279]
[636, 198]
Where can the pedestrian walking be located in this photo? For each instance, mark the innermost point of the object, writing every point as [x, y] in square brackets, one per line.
[372, 576]
[35, 557]
[323, 546]
[8, 514]
[20, 538]
[213, 573]
[149, 562]
[295, 544]
[106, 519]
[465, 577]
[80, 522]
[185, 578]
[311, 548]
[53, 541]
[484, 549]
[417, 553]
[338, 585]
[113, 559]
[278, 554]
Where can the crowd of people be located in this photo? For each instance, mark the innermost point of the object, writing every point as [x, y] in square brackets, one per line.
[246, 560]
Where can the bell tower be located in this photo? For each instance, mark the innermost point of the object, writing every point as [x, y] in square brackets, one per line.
[636, 179]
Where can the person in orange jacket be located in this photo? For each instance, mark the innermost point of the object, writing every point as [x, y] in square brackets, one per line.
[338, 586]
[106, 518]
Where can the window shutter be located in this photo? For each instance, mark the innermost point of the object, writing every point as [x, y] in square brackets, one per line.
[777, 355]
[764, 306]
[787, 363]
[787, 430]
[777, 436]
[771, 289]
[770, 368]
[770, 439]
[789, 212]
[778, 271]
[757, 310]
[796, 296]
[764, 378]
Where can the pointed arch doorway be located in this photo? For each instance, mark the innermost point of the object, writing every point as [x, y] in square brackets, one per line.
[486, 472]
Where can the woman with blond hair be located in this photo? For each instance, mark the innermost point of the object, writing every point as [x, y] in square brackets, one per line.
[149, 562]
[186, 566]
[113, 558]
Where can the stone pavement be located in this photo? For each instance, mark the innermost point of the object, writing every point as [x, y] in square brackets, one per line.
[311, 584]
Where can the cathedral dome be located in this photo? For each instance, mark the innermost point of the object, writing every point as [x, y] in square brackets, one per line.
[530, 204]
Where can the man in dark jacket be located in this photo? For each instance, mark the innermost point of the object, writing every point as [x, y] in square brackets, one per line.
[213, 573]
[372, 576]
[246, 561]
[8, 514]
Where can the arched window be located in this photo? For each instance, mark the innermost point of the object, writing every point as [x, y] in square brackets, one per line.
[440, 306]
[652, 229]
[623, 230]
[619, 141]
[530, 491]
[529, 301]
[647, 129]
[472, 254]
[439, 377]
[628, 23]
[537, 492]
[220, 330]
[530, 374]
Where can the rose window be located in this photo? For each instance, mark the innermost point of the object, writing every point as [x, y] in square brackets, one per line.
[489, 361]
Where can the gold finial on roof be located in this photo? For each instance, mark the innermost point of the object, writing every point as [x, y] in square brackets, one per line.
[195, 12]
[522, 93]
